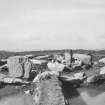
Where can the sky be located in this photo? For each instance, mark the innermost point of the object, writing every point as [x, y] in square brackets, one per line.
[52, 24]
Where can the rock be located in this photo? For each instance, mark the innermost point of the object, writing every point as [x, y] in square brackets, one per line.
[102, 70]
[14, 66]
[91, 79]
[67, 58]
[95, 63]
[45, 75]
[74, 78]
[13, 80]
[19, 66]
[55, 66]
[35, 61]
[27, 92]
[102, 60]
[2, 76]
[86, 59]
[80, 75]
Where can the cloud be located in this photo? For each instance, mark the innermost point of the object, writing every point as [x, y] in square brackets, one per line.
[63, 24]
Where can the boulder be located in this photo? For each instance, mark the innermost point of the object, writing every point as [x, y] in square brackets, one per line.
[95, 63]
[85, 59]
[35, 61]
[77, 77]
[44, 75]
[102, 60]
[15, 66]
[2, 76]
[91, 79]
[13, 80]
[55, 66]
[102, 70]
[80, 75]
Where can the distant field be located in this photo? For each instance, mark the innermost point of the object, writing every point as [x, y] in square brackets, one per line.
[96, 54]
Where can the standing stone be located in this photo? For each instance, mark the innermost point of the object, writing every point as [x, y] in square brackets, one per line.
[19, 66]
[27, 68]
[14, 65]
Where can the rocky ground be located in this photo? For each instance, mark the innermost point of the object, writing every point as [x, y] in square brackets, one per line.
[50, 91]
[47, 92]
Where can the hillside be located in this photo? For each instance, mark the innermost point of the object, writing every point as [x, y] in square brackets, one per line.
[96, 54]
